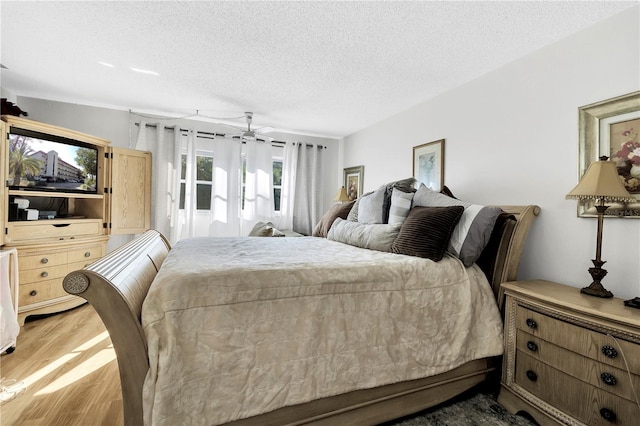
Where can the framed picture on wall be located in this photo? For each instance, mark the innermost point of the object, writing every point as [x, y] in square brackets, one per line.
[353, 181]
[612, 128]
[428, 164]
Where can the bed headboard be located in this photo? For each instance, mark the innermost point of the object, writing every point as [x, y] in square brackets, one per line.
[117, 285]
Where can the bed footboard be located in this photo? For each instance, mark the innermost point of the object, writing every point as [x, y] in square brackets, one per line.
[116, 286]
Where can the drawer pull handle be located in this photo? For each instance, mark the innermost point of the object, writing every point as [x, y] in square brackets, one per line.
[532, 346]
[33, 293]
[531, 323]
[531, 375]
[62, 225]
[608, 379]
[87, 254]
[608, 414]
[44, 274]
[44, 260]
[609, 352]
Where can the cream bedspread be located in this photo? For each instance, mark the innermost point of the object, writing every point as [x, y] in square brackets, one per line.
[241, 326]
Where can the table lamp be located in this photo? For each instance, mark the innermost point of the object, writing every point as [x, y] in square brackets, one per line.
[341, 196]
[600, 182]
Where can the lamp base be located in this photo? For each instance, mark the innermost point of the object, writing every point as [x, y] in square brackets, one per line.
[596, 288]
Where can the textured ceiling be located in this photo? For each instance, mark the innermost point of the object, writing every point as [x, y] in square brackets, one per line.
[318, 68]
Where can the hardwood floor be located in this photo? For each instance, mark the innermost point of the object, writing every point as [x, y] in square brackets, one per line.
[69, 367]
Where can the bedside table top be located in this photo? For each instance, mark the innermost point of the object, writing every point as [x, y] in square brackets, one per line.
[570, 299]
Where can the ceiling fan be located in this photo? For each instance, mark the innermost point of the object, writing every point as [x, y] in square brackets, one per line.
[251, 134]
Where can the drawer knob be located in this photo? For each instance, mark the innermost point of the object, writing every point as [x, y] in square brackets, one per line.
[532, 346]
[44, 274]
[531, 323]
[87, 254]
[608, 379]
[609, 352]
[44, 260]
[608, 414]
[531, 375]
[33, 293]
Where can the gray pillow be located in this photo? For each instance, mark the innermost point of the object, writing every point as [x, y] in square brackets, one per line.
[370, 207]
[472, 232]
[404, 185]
[372, 236]
[400, 205]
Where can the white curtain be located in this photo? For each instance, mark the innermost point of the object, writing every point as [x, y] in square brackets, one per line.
[288, 185]
[258, 190]
[227, 191]
[307, 206]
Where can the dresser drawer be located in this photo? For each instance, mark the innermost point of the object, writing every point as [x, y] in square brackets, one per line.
[42, 230]
[589, 343]
[87, 255]
[43, 273]
[603, 376]
[39, 260]
[41, 291]
[588, 404]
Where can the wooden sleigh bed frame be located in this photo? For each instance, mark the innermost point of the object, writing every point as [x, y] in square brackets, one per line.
[117, 285]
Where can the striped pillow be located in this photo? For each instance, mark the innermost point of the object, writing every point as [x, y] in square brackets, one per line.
[400, 205]
[426, 231]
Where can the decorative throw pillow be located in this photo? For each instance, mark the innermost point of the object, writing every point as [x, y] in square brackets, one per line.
[353, 213]
[446, 191]
[374, 236]
[426, 231]
[404, 185]
[370, 207]
[336, 211]
[400, 205]
[265, 229]
[472, 232]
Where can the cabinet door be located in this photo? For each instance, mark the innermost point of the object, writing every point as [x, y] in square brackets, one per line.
[130, 191]
[4, 175]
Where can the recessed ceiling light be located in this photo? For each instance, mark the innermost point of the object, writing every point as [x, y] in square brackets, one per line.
[141, 71]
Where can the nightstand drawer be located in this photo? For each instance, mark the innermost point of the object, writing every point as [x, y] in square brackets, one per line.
[586, 403]
[605, 377]
[590, 343]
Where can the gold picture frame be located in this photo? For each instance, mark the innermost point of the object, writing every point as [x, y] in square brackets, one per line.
[611, 128]
[428, 164]
[353, 181]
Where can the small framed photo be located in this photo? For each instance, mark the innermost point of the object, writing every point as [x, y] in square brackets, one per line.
[428, 164]
[611, 128]
[353, 178]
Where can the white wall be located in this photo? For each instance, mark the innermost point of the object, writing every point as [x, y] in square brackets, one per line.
[119, 127]
[512, 138]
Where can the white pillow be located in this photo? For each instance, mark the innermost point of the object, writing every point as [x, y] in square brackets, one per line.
[370, 207]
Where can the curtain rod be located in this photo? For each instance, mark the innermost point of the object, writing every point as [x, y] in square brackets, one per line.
[212, 135]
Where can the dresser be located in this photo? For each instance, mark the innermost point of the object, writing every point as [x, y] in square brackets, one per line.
[570, 358]
[42, 268]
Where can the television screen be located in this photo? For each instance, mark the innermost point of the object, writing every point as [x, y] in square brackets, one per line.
[41, 162]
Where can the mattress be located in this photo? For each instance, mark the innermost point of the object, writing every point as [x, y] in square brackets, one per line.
[237, 327]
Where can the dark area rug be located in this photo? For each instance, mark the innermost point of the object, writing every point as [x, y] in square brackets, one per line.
[477, 407]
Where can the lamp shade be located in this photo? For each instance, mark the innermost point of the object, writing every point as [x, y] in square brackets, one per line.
[601, 182]
[341, 195]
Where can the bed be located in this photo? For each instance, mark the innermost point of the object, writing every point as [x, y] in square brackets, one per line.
[189, 326]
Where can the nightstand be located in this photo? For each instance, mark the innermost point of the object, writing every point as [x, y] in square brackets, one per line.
[570, 358]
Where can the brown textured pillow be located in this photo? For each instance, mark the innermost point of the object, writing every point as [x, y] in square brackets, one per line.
[338, 210]
[426, 231]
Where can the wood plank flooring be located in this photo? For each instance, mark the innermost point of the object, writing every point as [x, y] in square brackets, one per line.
[69, 366]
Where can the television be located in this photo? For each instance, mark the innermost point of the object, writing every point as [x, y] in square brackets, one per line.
[43, 162]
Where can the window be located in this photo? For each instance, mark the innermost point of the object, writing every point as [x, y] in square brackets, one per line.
[204, 180]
